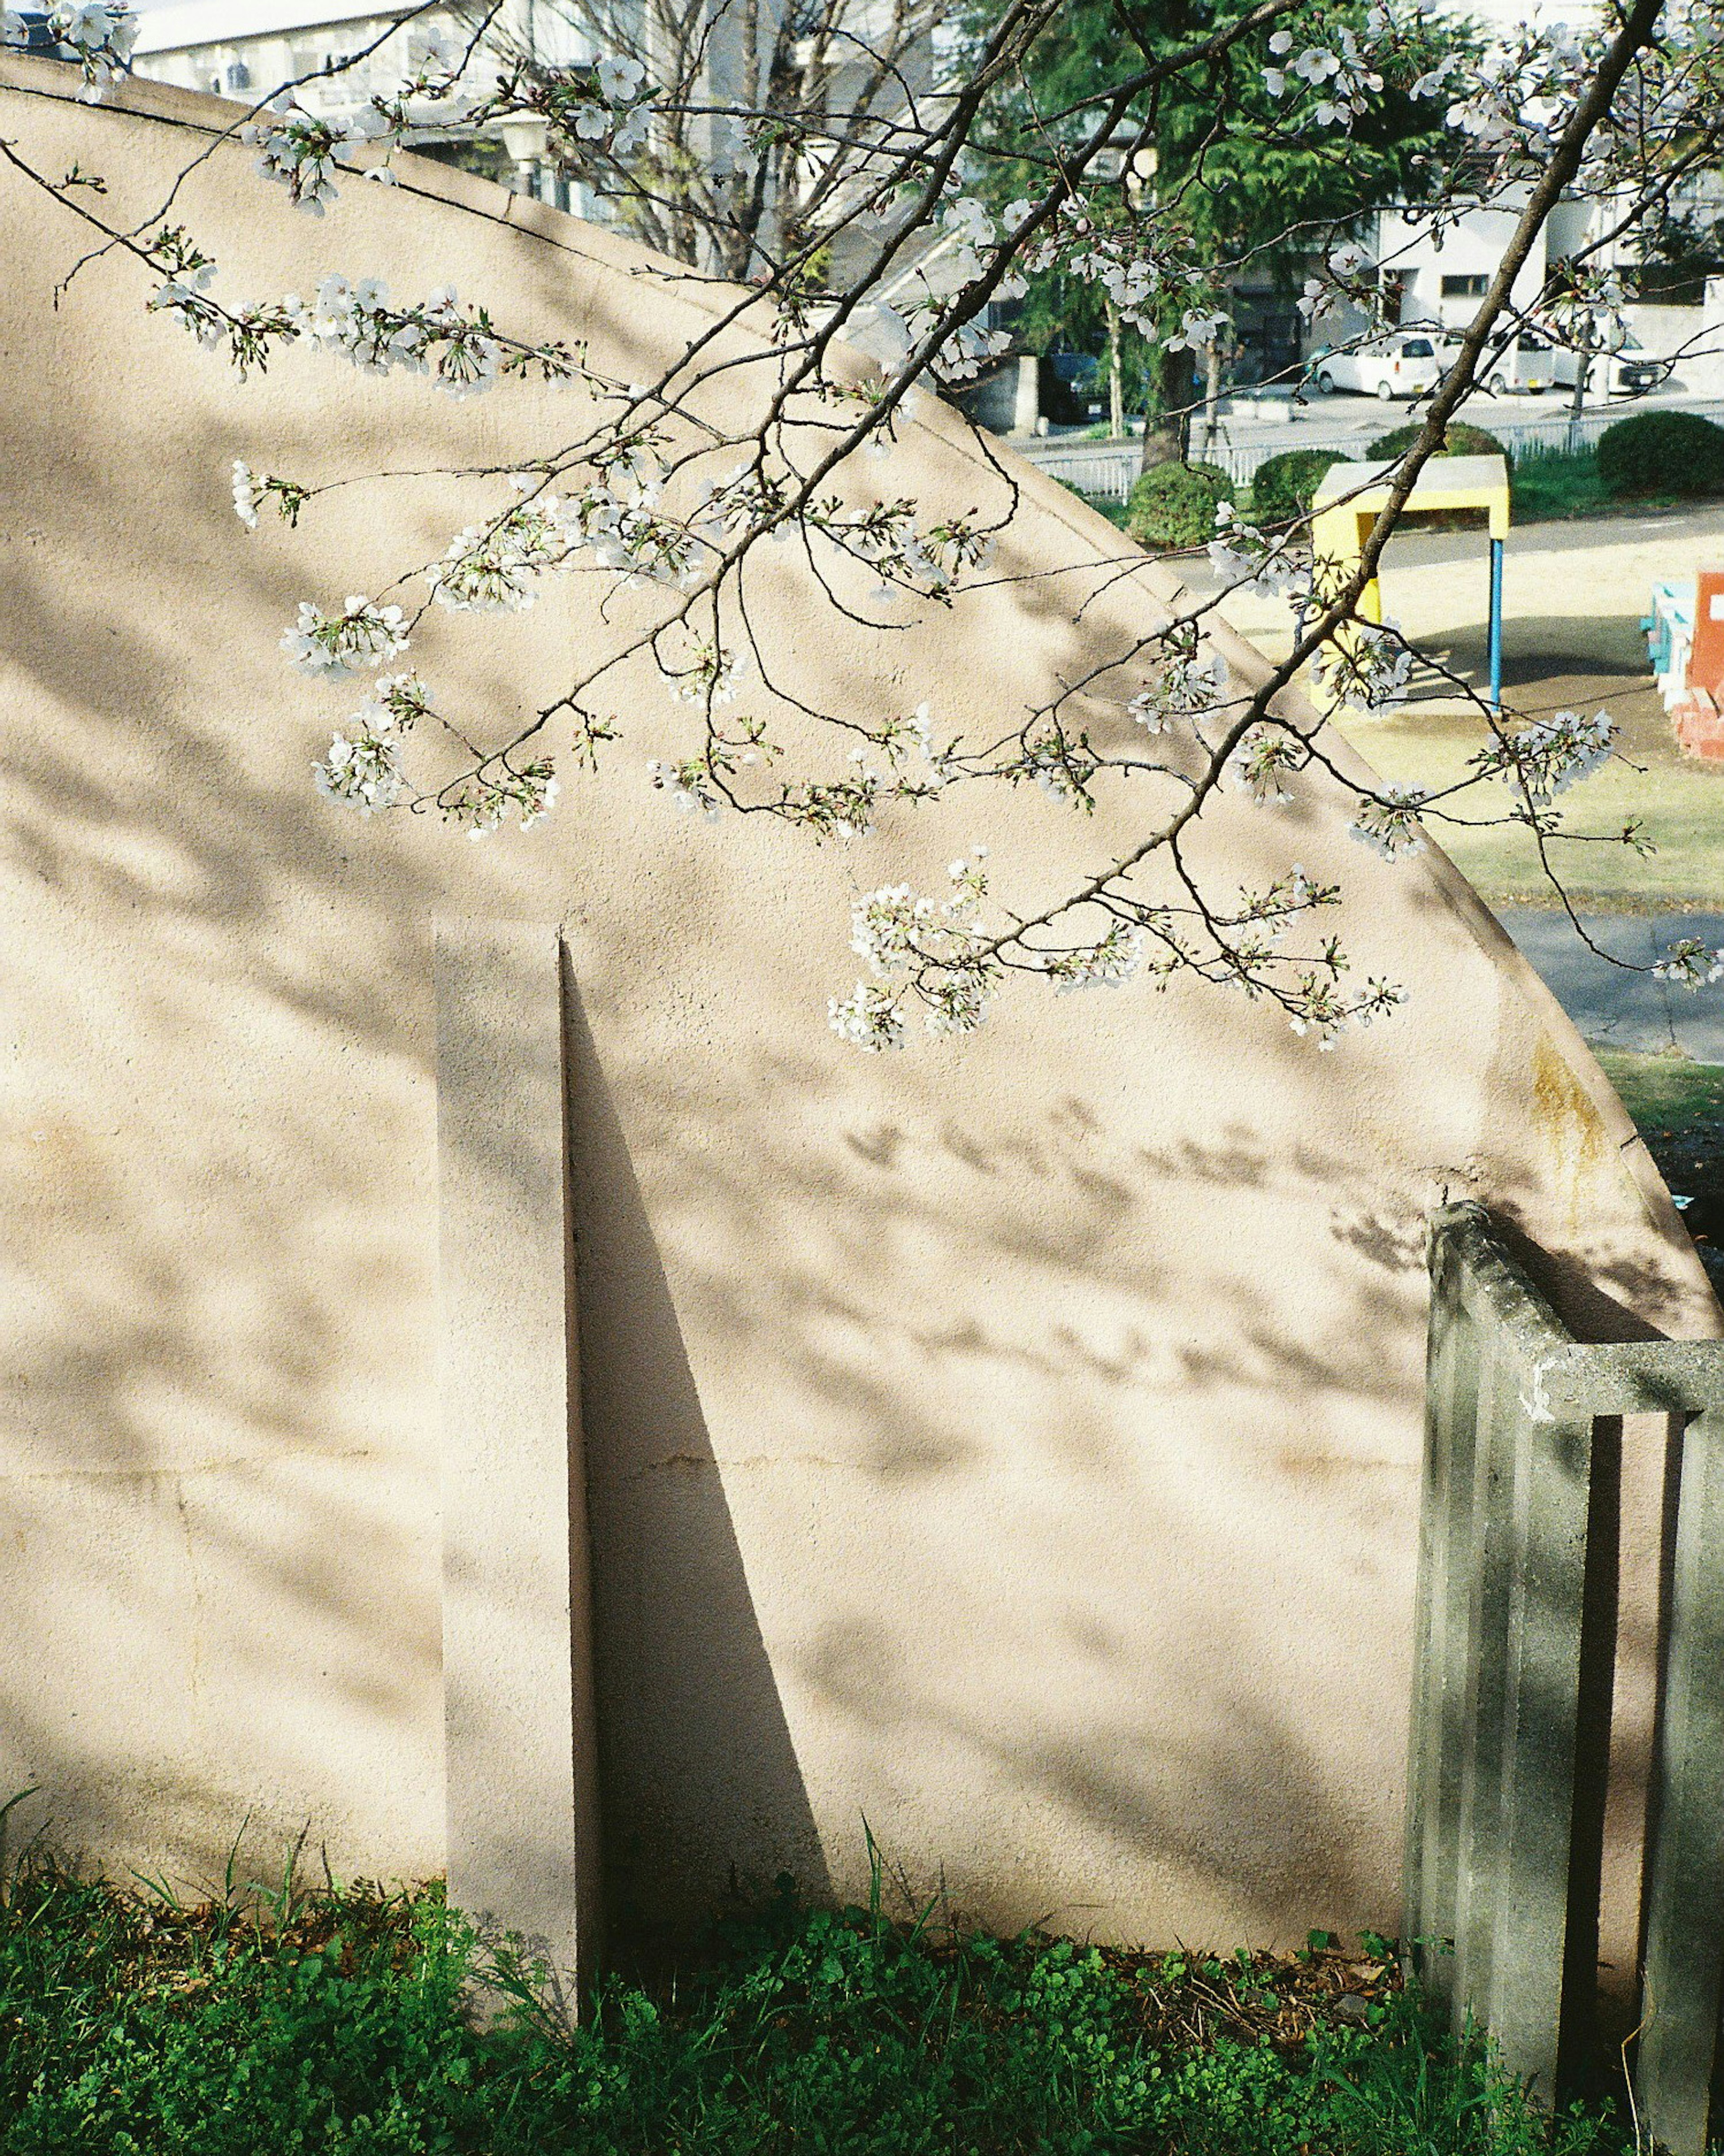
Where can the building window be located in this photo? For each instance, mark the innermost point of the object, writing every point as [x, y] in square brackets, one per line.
[1472, 286]
[238, 75]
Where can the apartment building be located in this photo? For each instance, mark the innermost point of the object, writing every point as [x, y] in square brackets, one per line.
[245, 50]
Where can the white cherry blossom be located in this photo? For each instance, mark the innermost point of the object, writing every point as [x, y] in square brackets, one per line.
[340, 645]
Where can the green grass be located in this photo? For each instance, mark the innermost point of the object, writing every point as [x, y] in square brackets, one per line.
[1568, 484]
[1678, 1105]
[1114, 511]
[339, 2024]
[1674, 1099]
[1546, 489]
[1565, 484]
[1677, 801]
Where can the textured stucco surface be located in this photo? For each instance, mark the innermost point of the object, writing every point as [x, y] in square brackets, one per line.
[1014, 1442]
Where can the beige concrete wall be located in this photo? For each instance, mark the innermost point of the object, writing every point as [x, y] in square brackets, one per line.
[1014, 1442]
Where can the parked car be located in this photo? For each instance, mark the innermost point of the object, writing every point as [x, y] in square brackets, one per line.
[1628, 371]
[1074, 393]
[1527, 367]
[1386, 367]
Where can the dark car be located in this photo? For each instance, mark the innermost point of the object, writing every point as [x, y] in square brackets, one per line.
[1073, 391]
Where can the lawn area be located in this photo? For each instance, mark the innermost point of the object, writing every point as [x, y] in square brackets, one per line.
[338, 2024]
[1546, 488]
[1567, 485]
[1678, 801]
[1563, 484]
[1114, 511]
[1678, 1107]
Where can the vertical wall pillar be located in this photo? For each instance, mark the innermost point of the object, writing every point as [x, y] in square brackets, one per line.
[1478, 1822]
[1026, 398]
[1443, 1656]
[523, 1849]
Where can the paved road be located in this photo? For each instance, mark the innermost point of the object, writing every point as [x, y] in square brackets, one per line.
[1625, 1009]
[1367, 417]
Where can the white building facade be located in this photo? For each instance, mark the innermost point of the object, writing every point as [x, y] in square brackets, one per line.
[342, 57]
[1441, 270]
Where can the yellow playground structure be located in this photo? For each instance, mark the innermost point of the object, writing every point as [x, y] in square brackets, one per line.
[1351, 497]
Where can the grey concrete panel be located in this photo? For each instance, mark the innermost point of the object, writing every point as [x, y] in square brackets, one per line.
[1547, 1552]
[1442, 1639]
[1480, 1824]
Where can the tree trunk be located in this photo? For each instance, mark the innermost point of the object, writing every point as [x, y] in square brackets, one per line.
[1212, 393]
[1167, 420]
[1582, 368]
[1116, 376]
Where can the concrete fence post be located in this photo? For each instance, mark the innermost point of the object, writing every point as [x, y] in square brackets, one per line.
[1499, 1633]
[1442, 1647]
[1546, 1553]
[522, 1785]
[1428, 1890]
[1685, 1928]
[1027, 396]
[1479, 1825]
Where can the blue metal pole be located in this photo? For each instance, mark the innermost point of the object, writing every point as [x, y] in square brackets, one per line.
[1496, 624]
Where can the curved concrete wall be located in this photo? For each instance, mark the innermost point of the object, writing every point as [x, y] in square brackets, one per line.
[1014, 1442]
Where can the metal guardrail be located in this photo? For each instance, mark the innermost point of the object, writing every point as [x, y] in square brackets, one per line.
[1554, 437]
[1108, 469]
[1493, 1858]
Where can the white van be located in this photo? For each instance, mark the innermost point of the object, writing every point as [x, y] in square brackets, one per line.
[1386, 368]
[1629, 371]
[1527, 367]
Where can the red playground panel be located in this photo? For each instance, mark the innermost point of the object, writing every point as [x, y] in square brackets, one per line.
[1706, 664]
[1699, 727]
[1687, 636]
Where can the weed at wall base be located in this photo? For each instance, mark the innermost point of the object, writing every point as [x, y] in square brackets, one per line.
[335, 2023]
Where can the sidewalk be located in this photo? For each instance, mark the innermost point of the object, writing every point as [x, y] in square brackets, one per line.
[1625, 1009]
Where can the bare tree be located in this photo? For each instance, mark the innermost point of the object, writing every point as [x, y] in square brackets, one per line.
[768, 117]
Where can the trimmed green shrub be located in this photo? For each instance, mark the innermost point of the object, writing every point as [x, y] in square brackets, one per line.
[1459, 440]
[1282, 487]
[1663, 453]
[1174, 505]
